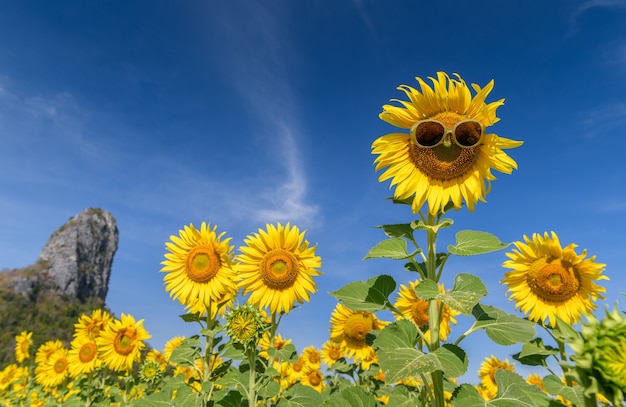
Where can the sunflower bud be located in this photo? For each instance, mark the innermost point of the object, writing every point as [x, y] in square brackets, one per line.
[601, 354]
[244, 325]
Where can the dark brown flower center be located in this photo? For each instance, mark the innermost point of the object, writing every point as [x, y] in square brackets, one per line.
[447, 160]
[553, 280]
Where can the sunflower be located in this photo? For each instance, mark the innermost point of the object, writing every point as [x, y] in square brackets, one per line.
[548, 281]
[92, 325]
[313, 377]
[487, 375]
[312, 357]
[331, 352]
[170, 345]
[121, 343]
[277, 267]
[198, 268]
[54, 371]
[349, 328]
[22, 346]
[83, 356]
[416, 310]
[447, 171]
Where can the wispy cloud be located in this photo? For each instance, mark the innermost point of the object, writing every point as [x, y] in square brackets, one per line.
[256, 57]
[592, 4]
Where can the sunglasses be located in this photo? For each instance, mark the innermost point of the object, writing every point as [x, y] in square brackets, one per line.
[431, 133]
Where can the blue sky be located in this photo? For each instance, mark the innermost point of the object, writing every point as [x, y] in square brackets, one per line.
[245, 113]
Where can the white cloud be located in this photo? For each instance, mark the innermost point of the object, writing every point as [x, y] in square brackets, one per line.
[256, 57]
[591, 4]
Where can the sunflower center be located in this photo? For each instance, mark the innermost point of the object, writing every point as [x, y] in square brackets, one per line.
[124, 342]
[279, 269]
[297, 366]
[334, 354]
[87, 352]
[314, 357]
[203, 264]
[555, 280]
[315, 378]
[444, 162]
[419, 312]
[356, 328]
[60, 365]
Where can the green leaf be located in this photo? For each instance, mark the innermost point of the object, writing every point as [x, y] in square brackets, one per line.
[513, 391]
[399, 359]
[427, 290]
[391, 249]
[534, 353]
[358, 397]
[187, 352]
[443, 223]
[288, 353]
[301, 396]
[371, 295]
[191, 317]
[473, 242]
[467, 292]
[553, 385]
[400, 230]
[503, 328]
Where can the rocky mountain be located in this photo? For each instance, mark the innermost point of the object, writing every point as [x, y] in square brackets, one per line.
[77, 258]
[70, 277]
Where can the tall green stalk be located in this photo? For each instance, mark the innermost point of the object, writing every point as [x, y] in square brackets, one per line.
[433, 309]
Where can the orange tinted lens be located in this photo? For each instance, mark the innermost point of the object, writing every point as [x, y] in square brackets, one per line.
[468, 133]
[428, 134]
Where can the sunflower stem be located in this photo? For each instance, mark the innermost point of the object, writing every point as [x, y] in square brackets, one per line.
[252, 377]
[433, 309]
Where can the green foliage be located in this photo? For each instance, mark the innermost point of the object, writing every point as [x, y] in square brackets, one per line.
[371, 295]
[473, 242]
[44, 312]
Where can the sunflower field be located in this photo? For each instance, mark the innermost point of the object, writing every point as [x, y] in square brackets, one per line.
[439, 162]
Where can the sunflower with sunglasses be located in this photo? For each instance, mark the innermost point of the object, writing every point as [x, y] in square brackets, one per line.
[447, 156]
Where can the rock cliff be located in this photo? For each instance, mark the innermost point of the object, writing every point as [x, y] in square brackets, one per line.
[76, 261]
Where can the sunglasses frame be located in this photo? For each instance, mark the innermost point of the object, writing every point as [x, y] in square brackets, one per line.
[447, 130]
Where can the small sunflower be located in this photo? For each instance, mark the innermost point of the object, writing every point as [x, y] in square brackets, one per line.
[548, 281]
[22, 346]
[83, 356]
[277, 267]
[92, 325]
[487, 375]
[349, 328]
[447, 171]
[416, 310]
[121, 343]
[312, 357]
[313, 377]
[331, 352]
[157, 356]
[198, 268]
[170, 345]
[54, 371]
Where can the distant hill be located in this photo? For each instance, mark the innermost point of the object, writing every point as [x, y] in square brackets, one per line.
[70, 277]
